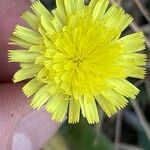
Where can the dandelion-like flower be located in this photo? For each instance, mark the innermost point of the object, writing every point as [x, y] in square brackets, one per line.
[76, 58]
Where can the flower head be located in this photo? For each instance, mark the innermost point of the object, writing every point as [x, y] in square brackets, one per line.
[75, 57]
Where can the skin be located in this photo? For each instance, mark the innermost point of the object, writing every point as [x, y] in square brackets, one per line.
[20, 126]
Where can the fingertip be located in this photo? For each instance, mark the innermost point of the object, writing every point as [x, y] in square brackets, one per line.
[18, 120]
[21, 140]
[34, 130]
[10, 12]
[13, 106]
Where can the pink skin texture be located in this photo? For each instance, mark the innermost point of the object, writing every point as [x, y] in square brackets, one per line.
[21, 127]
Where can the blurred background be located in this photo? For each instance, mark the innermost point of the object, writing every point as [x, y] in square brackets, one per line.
[130, 128]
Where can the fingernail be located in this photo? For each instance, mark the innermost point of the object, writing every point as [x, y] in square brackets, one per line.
[21, 142]
[34, 130]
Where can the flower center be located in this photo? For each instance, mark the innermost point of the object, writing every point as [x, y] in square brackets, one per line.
[77, 60]
[85, 55]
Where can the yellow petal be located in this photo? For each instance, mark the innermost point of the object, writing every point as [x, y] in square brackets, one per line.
[136, 72]
[69, 6]
[74, 111]
[39, 9]
[21, 56]
[80, 4]
[47, 25]
[26, 73]
[59, 114]
[81, 101]
[124, 87]
[17, 41]
[133, 60]
[133, 42]
[28, 35]
[91, 112]
[27, 65]
[57, 24]
[37, 49]
[118, 100]
[32, 87]
[100, 9]
[61, 9]
[31, 19]
[41, 97]
[106, 105]
[116, 18]
[92, 4]
[58, 106]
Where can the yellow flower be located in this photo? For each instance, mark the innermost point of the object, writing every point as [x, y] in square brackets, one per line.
[76, 57]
